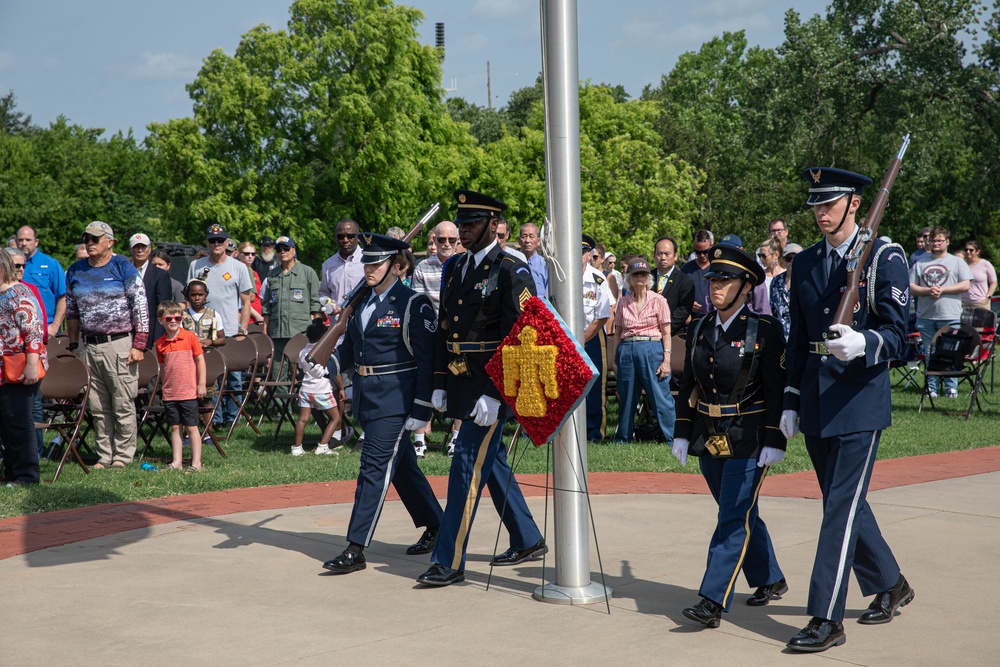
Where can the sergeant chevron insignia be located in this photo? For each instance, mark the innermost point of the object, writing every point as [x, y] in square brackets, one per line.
[525, 295]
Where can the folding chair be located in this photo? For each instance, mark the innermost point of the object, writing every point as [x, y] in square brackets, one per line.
[57, 345]
[287, 367]
[65, 391]
[265, 357]
[150, 412]
[241, 356]
[286, 401]
[908, 364]
[959, 351]
[215, 371]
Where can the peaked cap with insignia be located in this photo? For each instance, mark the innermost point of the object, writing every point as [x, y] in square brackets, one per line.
[474, 206]
[828, 184]
[728, 261]
[376, 248]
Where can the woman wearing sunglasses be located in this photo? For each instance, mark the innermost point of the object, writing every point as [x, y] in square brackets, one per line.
[984, 277]
[247, 253]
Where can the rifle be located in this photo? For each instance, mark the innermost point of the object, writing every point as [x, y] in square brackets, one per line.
[323, 349]
[861, 249]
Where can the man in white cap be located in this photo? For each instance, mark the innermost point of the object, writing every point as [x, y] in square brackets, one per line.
[155, 281]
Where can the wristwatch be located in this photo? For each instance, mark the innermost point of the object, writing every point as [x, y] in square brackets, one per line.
[243, 332]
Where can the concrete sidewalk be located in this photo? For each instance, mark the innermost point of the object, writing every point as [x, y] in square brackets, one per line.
[248, 589]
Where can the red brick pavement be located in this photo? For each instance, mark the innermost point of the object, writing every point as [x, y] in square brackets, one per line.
[21, 535]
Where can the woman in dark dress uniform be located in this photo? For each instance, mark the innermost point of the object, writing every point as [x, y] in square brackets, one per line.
[728, 410]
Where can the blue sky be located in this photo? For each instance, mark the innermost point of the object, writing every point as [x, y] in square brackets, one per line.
[120, 64]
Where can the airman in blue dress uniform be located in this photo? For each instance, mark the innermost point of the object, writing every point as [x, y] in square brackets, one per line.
[838, 394]
[390, 346]
[728, 409]
[482, 292]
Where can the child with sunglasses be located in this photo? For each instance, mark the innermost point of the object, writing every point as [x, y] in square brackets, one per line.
[182, 369]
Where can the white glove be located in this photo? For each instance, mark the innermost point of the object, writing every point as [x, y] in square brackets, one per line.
[680, 450]
[789, 423]
[439, 399]
[770, 456]
[414, 424]
[315, 370]
[485, 411]
[850, 345]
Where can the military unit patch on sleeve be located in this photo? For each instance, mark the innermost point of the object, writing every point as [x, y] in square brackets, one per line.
[525, 295]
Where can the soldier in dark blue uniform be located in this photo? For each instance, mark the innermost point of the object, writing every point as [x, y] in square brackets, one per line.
[482, 292]
[838, 394]
[729, 406]
[389, 344]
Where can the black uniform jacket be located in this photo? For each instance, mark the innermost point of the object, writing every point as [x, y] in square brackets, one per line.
[715, 370]
[480, 309]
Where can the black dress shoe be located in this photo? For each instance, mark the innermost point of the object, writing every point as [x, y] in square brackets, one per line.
[885, 604]
[818, 636]
[439, 575]
[514, 556]
[765, 594]
[705, 612]
[349, 561]
[424, 545]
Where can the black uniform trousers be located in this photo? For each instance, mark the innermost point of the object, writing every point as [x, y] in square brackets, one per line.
[849, 536]
[597, 349]
[388, 457]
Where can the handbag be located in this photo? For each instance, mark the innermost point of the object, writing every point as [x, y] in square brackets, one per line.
[13, 367]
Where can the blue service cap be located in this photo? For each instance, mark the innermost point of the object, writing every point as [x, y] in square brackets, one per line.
[827, 184]
[376, 248]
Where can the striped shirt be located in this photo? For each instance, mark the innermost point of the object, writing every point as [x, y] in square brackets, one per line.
[630, 321]
[179, 372]
[427, 280]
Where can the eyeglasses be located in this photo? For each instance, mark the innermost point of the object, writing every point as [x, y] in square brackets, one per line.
[778, 229]
[790, 256]
[701, 252]
[452, 240]
[173, 318]
[19, 266]
[217, 241]
[939, 239]
[282, 248]
[341, 237]
[248, 254]
[763, 255]
[90, 238]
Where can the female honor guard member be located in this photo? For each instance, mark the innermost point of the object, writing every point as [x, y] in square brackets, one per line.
[482, 291]
[389, 344]
[729, 406]
[840, 389]
[596, 311]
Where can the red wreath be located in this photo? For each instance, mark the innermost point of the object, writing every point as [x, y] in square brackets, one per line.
[572, 372]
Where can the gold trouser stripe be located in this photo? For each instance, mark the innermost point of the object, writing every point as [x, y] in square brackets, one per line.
[746, 536]
[471, 498]
[603, 379]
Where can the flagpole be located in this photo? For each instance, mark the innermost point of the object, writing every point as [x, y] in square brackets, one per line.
[560, 79]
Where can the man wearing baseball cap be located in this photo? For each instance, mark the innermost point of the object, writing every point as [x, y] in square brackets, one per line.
[106, 310]
[155, 280]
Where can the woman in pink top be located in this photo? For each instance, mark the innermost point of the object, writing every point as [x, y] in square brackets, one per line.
[984, 277]
[642, 357]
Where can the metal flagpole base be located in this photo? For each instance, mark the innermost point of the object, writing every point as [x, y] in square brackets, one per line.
[554, 594]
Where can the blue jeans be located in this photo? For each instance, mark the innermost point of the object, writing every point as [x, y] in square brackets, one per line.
[637, 362]
[229, 409]
[927, 329]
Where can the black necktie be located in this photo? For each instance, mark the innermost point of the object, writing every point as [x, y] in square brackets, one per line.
[469, 267]
[834, 263]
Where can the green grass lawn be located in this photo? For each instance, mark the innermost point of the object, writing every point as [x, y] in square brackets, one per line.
[253, 461]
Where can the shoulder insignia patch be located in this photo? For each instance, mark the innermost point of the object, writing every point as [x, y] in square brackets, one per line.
[900, 296]
[525, 295]
[598, 279]
[522, 269]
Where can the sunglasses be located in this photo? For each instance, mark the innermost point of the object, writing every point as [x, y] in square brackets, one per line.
[966, 250]
[90, 238]
[19, 266]
[501, 235]
[248, 254]
[701, 252]
[790, 257]
[217, 241]
[173, 318]
[763, 255]
[448, 239]
[283, 248]
[341, 237]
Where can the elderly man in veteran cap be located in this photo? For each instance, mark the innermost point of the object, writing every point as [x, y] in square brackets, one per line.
[838, 394]
[106, 310]
[155, 281]
[482, 293]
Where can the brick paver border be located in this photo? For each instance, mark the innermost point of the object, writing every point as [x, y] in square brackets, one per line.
[21, 535]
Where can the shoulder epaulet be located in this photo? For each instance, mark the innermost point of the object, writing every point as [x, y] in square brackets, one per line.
[510, 258]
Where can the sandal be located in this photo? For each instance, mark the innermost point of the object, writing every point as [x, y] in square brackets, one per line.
[191, 469]
[180, 467]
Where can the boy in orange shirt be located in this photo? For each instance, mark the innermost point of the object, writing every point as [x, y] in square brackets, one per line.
[182, 374]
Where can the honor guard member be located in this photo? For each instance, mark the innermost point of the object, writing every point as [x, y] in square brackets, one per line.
[596, 311]
[389, 344]
[838, 393]
[728, 409]
[482, 292]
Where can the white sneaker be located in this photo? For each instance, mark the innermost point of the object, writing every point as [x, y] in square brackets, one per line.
[952, 393]
[325, 450]
[298, 451]
[932, 394]
[420, 449]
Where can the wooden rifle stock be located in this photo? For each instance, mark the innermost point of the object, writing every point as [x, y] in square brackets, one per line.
[324, 347]
[859, 252]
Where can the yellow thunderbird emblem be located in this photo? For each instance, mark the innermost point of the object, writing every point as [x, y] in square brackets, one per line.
[535, 367]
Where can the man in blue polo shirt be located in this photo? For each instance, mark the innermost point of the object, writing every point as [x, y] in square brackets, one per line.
[46, 274]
